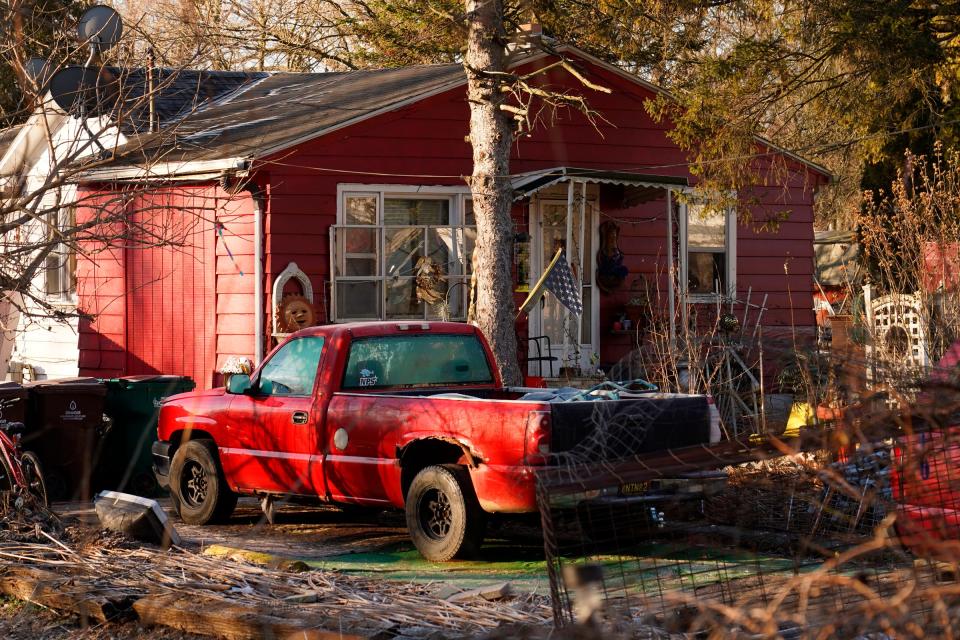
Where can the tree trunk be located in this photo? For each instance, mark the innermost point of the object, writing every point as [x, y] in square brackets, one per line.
[491, 136]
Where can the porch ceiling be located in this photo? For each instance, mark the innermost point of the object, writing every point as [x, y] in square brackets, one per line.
[643, 187]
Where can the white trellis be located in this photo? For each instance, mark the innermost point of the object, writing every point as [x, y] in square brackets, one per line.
[899, 335]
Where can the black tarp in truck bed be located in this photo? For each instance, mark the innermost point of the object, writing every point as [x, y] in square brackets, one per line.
[606, 430]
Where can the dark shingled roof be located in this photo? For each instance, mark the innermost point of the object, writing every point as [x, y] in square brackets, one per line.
[122, 94]
[274, 110]
[177, 93]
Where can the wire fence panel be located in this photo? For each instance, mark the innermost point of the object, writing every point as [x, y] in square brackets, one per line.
[851, 530]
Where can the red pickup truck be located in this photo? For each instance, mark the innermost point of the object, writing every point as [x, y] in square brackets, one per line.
[409, 415]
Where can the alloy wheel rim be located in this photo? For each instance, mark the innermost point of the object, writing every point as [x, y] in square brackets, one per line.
[436, 514]
[194, 484]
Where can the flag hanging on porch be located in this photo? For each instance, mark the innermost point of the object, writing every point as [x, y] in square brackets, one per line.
[558, 280]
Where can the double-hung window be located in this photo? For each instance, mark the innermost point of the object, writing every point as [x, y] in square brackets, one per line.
[402, 253]
[709, 265]
[60, 264]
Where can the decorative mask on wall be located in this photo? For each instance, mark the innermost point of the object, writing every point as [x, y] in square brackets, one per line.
[611, 271]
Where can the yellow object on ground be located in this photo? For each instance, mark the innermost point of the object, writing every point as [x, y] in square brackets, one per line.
[801, 415]
[255, 557]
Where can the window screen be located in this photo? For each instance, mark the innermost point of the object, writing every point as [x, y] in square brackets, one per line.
[293, 369]
[416, 360]
[706, 250]
[60, 265]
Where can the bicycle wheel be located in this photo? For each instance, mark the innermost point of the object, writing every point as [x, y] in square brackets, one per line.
[6, 474]
[33, 477]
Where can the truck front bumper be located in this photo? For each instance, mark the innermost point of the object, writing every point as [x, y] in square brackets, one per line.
[162, 452]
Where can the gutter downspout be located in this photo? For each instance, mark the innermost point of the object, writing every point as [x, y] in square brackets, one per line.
[259, 202]
[259, 198]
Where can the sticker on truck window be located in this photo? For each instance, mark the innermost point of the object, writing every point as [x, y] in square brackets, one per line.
[367, 378]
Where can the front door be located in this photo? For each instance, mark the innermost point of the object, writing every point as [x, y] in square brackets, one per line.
[550, 231]
[277, 424]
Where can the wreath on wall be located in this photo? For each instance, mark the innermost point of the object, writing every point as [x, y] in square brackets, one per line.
[611, 271]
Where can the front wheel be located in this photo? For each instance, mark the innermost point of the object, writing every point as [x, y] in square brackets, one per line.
[199, 491]
[33, 477]
[443, 516]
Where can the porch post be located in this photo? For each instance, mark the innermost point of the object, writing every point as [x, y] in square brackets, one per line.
[568, 244]
[670, 274]
[581, 260]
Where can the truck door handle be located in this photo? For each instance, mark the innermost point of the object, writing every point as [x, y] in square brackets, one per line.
[300, 417]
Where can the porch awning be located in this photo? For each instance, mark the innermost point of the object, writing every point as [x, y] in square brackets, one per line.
[645, 187]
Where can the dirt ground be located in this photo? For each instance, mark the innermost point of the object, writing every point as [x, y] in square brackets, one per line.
[365, 542]
[357, 542]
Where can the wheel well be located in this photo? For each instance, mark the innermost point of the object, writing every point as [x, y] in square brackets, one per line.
[177, 437]
[421, 454]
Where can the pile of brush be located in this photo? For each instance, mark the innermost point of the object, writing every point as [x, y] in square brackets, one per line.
[23, 517]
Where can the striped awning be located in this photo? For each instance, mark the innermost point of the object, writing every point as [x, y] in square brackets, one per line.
[527, 184]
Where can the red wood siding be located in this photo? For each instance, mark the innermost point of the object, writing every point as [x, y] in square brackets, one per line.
[171, 293]
[179, 307]
[235, 251]
[100, 293]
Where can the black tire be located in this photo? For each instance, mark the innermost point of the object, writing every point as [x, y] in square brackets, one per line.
[6, 475]
[443, 516]
[33, 476]
[200, 493]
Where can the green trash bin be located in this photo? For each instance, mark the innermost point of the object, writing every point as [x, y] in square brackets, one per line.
[133, 404]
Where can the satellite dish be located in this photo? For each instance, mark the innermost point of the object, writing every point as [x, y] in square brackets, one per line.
[100, 26]
[82, 91]
[39, 71]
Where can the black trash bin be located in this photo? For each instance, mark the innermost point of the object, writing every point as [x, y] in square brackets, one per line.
[13, 403]
[65, 424]
[133, 405]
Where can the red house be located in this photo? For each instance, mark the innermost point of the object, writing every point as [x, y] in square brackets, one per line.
[333, 187]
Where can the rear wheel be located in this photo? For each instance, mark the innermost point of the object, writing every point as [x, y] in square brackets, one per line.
[443, 516]
[6, 475]
[197, 486]
[33, 477]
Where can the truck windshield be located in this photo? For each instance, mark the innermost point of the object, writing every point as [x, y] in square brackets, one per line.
[417, 360]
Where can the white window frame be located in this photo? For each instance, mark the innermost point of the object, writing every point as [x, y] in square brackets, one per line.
[457, 197]
[730, 249]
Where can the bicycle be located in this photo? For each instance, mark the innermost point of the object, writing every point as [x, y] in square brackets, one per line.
[20, 471]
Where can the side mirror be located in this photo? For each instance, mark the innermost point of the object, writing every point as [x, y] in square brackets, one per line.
[239, 383]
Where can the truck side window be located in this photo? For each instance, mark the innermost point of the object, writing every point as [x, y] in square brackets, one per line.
[419, 360]
[293, 369]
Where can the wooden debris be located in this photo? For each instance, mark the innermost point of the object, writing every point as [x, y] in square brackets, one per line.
[57, 592]
[224, 619]
[494, 592]
[238, 598]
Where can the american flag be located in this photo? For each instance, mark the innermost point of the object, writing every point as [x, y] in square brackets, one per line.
[558, 280]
